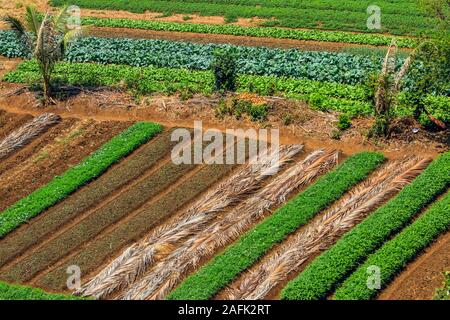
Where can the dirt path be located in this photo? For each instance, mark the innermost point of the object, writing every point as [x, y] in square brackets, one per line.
[422, 276]
[309, 127]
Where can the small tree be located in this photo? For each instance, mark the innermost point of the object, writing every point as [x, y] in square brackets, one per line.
[433, 54]
[225, 70]
[386, 88]
[46, 37]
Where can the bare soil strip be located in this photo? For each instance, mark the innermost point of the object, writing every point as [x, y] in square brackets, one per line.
[32, 149]
[98, 252]
[423, 276]
[87, 199]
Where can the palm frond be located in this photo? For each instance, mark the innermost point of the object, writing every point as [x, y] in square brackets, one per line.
[15, 24]
[60, 19]
[33, 19]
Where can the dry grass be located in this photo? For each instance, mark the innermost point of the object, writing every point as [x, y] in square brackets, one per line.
[350, 210]
[135, 260]
[169, 272]
[20, 137]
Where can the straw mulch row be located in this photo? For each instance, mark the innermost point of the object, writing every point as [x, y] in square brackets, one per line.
[169, 272]
[23, 135]
[135, 260]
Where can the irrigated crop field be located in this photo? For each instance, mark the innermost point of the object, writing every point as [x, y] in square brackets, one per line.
[93, 204]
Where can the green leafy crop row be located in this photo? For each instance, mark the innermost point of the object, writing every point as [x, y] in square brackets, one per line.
[327, 271]
[407, 20]
[333, 96]
[260, 32]
[88, 169]
[395, 254]
[325, 96]
[320, 66]
[250, 247]
[17, 292]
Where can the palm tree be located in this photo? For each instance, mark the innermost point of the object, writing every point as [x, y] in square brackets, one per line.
[47, 37]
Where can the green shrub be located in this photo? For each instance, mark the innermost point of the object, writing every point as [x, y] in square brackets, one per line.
[74, 178]
[344, 122]
[328, 270]
[224, 69]
[395, 254]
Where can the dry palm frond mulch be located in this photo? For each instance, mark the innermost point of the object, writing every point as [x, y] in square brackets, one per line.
[135, 260]
[160, 280]
[22, 136]
[350, 210]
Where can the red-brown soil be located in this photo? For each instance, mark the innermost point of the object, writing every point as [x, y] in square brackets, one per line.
[51, 154]
[309, 127]
[423, 276]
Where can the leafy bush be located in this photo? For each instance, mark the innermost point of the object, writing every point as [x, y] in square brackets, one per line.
[344, 122]
[328, 270]
[396, 253]
[16, 292]
[74, 178]
[224, 69]
[209, 279]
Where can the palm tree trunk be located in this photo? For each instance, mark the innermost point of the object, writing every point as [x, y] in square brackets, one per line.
[47, 89]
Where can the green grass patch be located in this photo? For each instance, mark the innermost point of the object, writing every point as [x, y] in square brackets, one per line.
[279, 33]
[17, 292]
[254, 244]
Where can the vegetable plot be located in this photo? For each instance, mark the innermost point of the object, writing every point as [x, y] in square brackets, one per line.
[255, 243]
[327, 271]
[90, 168]
[406, 20]
[396, 253]
[258, 282]
[280, 33]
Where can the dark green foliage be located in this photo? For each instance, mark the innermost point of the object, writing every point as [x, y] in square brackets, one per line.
[224, 69]
[344, 122]
[395, 254]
